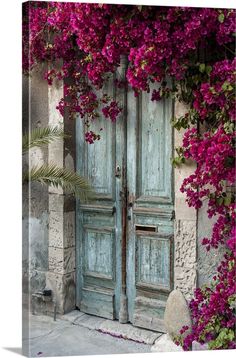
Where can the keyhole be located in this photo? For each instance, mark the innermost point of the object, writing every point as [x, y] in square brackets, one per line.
[118, 172]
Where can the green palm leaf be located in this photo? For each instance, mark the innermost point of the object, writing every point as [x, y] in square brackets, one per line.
[68, 180]
[41, 136]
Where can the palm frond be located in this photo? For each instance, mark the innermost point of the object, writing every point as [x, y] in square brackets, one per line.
[68, 180]
[41, 136]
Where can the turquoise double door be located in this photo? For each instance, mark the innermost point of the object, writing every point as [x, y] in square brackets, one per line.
[124, 243]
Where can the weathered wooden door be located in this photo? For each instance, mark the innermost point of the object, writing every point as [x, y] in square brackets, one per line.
[125, 235]
[150, 210]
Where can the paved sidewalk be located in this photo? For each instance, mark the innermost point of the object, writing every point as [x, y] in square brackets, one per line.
[77, 333]
[66, 337]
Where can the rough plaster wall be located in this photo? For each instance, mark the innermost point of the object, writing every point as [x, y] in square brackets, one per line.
[185, 256]
[194, 266]
[35, 197]
[207, 260]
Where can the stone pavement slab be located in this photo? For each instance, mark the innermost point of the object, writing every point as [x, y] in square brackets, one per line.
[114, 328]
[127, 331]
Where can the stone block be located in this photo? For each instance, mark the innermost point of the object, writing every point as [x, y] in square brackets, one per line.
[69, 259]
[55, 153]
[90, 322]
[55, 93]
[69, 162]
[63, 289]
[61, 229]
[177, 314]
[55, 234]
[69, 229]
[56, 260]
[56, 202]
[61, 260]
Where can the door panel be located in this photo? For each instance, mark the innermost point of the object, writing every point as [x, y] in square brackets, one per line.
[99, 222]
[150, 214]
[100, 172]
[154, 149]
[98, 251]
[153, 266]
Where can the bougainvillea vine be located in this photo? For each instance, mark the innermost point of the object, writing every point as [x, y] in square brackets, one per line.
[82, 44]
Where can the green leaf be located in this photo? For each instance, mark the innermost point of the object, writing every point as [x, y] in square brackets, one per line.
[221, 17]
[69, 181]
[226, 86]
[220, 200]
[208, 69]
[177, 161]
[227, 199]
[202, 67]
[41, 136]
[229, 127]
[225, 336]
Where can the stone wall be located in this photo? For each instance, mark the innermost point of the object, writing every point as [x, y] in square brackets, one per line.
[48, 213]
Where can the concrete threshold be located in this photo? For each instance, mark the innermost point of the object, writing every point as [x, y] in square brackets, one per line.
[113, 328]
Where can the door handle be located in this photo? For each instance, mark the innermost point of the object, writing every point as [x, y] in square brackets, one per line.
[113, 210]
